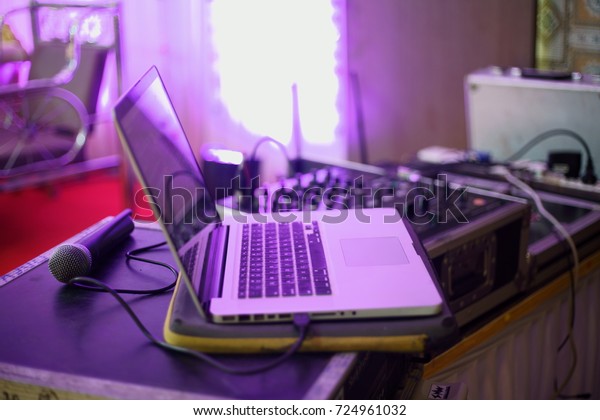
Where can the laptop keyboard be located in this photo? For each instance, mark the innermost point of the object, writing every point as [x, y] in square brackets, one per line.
[189, 259]
[282, 260]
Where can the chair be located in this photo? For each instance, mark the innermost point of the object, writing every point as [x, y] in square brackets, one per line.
[46, 119]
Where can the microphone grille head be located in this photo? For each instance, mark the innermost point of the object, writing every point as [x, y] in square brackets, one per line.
[68, 261]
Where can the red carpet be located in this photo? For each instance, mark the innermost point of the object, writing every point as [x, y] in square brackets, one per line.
[34, 220]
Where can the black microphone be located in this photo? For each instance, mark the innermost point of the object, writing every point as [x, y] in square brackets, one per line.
[77, 259]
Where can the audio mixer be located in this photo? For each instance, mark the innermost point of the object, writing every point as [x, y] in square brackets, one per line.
[575, 205]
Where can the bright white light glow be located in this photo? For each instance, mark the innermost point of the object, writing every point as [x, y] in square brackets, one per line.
[91, 28]
[105, 97]
[262, 48]
[224, 156]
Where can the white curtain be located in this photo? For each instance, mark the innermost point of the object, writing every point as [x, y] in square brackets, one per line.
[522, 361]
[169, 35]
[179, 37]
[174, 35]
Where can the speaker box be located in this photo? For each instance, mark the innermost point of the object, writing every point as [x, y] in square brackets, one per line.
[505, 110]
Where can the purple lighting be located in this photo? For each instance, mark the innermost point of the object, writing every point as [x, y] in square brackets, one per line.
[264, 47]
[91, 28]
[55, 24]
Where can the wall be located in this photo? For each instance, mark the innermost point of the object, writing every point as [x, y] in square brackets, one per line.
[568, 35]
[411, 58]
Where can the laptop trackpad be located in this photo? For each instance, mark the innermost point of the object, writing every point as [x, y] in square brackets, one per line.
[363, 252]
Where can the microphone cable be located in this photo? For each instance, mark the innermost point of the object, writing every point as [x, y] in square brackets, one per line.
[132, 255]
[301, 320]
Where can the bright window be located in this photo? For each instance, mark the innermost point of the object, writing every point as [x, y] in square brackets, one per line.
[266, 49]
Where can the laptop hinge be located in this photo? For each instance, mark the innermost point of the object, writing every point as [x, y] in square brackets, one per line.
[214, 264]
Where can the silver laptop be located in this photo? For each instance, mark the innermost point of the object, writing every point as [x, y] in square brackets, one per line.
[335, 264]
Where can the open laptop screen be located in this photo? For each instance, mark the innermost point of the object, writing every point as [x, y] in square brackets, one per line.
[172, 179]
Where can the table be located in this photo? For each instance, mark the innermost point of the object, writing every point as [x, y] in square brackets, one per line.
[63, 342]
